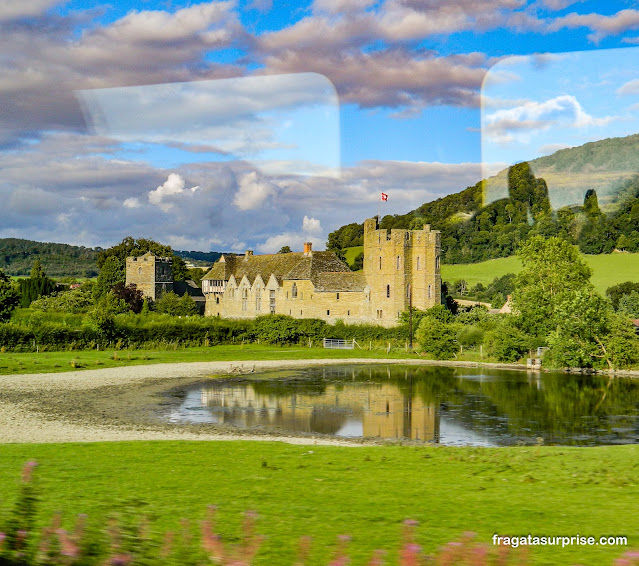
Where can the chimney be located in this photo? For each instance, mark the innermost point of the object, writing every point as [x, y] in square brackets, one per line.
[248, 253]
[308, 247]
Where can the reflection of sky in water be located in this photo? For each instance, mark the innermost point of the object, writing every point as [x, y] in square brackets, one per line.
[452, 433]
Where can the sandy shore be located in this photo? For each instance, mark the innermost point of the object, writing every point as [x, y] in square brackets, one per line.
[114, 403]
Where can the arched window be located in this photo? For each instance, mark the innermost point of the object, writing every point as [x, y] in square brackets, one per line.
[398, 262]
[387, 291]
[418, 262]
[139, 271]
[380, 262]
[294, 291]
[429, 291]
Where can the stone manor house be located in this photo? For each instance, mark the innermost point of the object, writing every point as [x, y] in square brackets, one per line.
[401, 267]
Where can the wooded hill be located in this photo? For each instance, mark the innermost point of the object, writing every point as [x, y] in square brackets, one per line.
[58, 260]
[472, 233]
[17, 257]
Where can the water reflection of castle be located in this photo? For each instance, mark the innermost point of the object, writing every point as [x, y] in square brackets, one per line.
[361, 409]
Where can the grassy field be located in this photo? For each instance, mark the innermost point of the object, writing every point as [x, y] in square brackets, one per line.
[365, 492]
[12, 363]
[607, 269]
[352, 253]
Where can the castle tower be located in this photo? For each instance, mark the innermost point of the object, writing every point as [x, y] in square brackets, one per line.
[150, 274]
[401, 267]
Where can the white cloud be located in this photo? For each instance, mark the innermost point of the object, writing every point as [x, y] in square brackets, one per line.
[510, 124]
[631, 87]
[253, 191]
[294, 240]
[601, 25]
[311, 225]
[131, 203]
[165, 193]
[551, 148]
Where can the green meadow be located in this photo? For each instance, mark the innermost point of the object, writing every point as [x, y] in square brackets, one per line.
[44, 362]
[607, 269]
[323, 492]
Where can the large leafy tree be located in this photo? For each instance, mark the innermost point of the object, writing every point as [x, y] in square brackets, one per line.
[130, 247]
[9, 297]
[552, 272]
[556, 301]
[111, 273]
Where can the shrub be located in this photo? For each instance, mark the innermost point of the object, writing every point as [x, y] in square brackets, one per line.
[437, 338]
[171, 304]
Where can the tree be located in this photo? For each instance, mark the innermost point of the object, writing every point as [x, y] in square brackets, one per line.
[437, 338]
[616, 292]
[171, 304]
[196, 274]
[111, 273]
[130, 294]
[36, 286]
[552, 272]
[131, 247]
[9, 297]
[37, 272]
[629, 304]
[285, 250]
[179, 268]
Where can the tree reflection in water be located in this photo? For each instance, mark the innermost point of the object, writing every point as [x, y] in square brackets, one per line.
[434, 404]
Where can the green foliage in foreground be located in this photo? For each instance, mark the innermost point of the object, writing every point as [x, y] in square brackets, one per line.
[324, 492]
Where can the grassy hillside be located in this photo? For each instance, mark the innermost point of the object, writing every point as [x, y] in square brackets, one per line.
[607, 269]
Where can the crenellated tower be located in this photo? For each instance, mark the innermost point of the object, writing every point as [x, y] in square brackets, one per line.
[401, 267]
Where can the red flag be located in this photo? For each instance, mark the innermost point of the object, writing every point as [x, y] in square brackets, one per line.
[384, 197]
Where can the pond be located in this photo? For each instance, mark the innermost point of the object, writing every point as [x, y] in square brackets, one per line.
[450, 406]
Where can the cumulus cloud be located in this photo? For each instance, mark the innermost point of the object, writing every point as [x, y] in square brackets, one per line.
[311, 225]
[166, 193]
[132, 203]
[45, 60]
[395, 77]
[253, 191]
[507, 125]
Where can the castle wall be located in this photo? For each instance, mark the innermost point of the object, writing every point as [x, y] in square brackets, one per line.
[400, 267]
[151, 275]
[398, 264]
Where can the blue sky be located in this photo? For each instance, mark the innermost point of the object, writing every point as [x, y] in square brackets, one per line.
[274, 166]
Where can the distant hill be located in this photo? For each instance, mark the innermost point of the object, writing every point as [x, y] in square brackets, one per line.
[199, 257]
[590, 201]
[63, 260]
[604, 166]
[58, 260]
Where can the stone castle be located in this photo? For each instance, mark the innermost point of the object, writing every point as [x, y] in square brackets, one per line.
[401, 267]
[150, 274]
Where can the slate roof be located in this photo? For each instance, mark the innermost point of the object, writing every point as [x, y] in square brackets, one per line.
[291, 266]
[336, 282]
